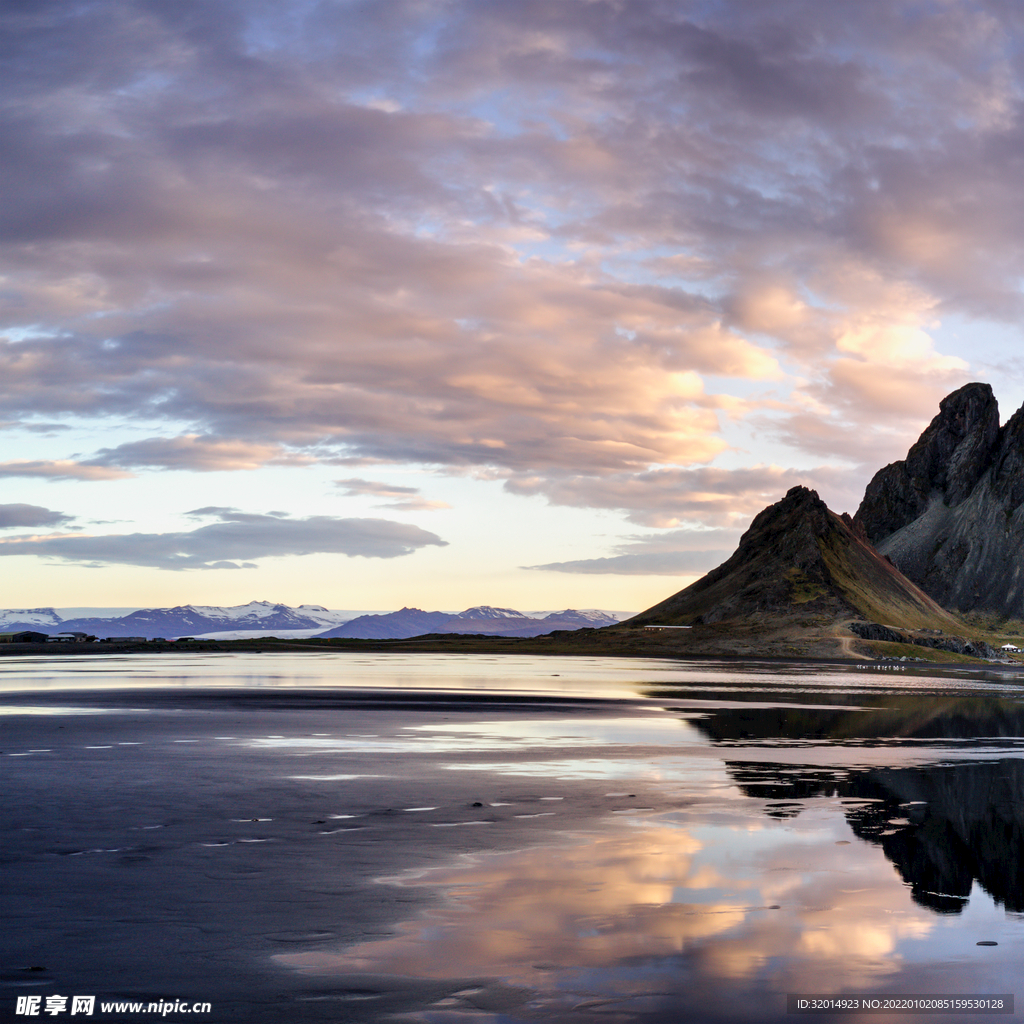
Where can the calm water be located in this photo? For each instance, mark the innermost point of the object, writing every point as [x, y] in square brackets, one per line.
[498, 839]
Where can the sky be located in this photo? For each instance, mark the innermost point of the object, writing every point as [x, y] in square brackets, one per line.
[451, 302]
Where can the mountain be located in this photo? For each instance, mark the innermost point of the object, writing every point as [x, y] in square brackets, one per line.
[43, 620]
[489, 621]
[392, 626]
[800, 558]
[570, 619]
[950, 515]
[944, 826]
[190, 620]
[266, 618]
[482, 620]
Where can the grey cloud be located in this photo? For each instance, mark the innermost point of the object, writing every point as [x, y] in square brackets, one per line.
[671, 553]
[407, 499]
[60, 469]
[712, 497]
[30, 515]
[839, 437]
[232, 542]
[217, 511]
[194, 452]
[320, 243]
[358, 486]
[642, 563]
[35, 428]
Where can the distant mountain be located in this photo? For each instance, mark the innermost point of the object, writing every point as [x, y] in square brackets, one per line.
[951, 514]
[518, 625]
[265, 618]
[482, 619]
[392, 626]
[489, 621]
[183, 620]
[800, 559]
[42, 620]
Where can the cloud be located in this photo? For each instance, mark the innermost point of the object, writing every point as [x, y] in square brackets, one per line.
[406, 498]
[195, 452]
[35, 428]
[232, 541]
[16, 515]
[61, 469]
[674, 553]
[706, 496]
[680, 563]
[217, 511]
[549, 240]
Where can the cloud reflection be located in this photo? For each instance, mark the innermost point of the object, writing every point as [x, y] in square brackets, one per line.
[622, 914]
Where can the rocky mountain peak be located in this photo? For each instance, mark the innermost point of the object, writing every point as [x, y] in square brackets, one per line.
[948, 460]
[957, 446]
[951, 515]
[798, 558]
[1008, 464]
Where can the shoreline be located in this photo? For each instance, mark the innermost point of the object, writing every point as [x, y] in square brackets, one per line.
[610, 645]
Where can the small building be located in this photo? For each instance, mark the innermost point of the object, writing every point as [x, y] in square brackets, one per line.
[1011, 648]
[25, 636]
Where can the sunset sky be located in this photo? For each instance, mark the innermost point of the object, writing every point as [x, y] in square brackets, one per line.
[455, 302]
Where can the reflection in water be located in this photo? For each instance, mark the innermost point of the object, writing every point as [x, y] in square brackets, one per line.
[892, 717]
[944, 826]
[773, 874]
[654, 892]
[665, 915]
[756, 858]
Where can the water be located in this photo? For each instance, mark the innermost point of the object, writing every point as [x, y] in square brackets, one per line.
[337, 837]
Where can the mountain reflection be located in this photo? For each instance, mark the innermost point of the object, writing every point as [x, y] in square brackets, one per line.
[943, 826]
[741, 881]
[893, 717]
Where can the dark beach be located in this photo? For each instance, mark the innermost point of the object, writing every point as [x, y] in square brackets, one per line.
[329, 837]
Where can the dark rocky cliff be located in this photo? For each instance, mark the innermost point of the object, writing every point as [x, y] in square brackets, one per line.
[951, 515]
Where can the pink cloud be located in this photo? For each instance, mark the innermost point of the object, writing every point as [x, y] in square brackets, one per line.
[60, 469]
[558, 242]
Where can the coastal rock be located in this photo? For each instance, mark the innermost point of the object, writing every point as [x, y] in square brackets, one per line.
[873, 631]
[955, 644]
[951, 515]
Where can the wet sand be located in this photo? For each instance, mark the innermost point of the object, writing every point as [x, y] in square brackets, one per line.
[294, 854]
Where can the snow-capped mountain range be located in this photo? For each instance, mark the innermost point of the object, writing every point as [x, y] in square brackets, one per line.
[482, 619]
[266, 618]
[188, 619]
[39, 619]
